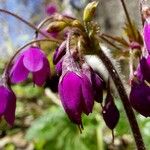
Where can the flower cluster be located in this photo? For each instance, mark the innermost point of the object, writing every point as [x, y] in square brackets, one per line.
[140, 90]
[79, 85]
[32, 60]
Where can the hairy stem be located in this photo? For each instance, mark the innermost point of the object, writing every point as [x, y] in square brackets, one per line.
[124, 98]
[27, 23]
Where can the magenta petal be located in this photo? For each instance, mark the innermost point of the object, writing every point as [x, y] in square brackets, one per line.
[110, 112]
[59, 67]
[18, 72]
[98, 85]
[143, 69]
[87, 92]
[140, 98]
[59, 52]
[11, 107]
[33, 59]
[4, 93]
[71, 96]
[41, 76]
[146, 34]
[51, 8]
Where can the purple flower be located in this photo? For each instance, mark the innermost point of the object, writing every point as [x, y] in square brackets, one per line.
[76, 95]
[110, 112]
[96, 82]
[140, 97]
[98, 86]
[143, 69]
[7, 104]
[51, 8]
[34, 61]
[146, 35]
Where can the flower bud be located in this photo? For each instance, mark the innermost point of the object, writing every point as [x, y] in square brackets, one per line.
[78, 24]
[89, 11]
[140, 98]
[110, 112]
[56, 26]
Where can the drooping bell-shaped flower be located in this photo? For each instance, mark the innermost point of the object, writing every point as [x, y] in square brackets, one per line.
[140, 97]
[71, 96]
[146, 35]
[76, 95]
[34, 61]
[7, 104]
[75, 89]
[110, 112]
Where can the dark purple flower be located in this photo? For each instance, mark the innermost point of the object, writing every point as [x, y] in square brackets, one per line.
[7, 104]
[71, 96]
[98, 86]
[51, 8]
[146, 35]
[143, 69]
[76, 95]
[34, 61]
[110, 112]
[96, 82]
[88, 97]
[140, 97]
